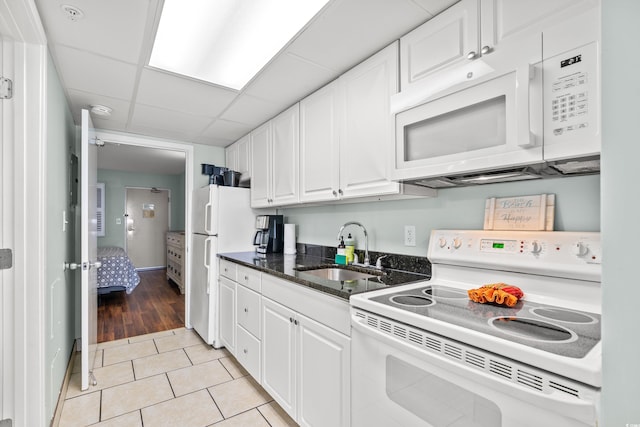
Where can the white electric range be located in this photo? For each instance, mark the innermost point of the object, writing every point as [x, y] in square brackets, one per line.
[424, 354]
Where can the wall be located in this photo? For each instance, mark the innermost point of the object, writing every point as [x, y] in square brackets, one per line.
[61, 285]
[577, 209]
[115, 197]
[620, 207]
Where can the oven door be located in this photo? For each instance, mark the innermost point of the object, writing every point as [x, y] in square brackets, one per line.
[398, 384]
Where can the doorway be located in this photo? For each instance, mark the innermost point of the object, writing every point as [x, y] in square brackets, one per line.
[147, 222]
[138, 165]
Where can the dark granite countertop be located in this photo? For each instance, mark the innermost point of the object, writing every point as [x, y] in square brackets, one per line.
[291, 267]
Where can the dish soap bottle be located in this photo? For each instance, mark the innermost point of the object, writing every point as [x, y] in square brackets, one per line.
[341, 257]
[350, 248]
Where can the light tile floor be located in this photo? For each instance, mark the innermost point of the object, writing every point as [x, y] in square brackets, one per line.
[169, 378]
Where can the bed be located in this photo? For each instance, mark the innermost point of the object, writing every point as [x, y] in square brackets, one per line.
[117, 273]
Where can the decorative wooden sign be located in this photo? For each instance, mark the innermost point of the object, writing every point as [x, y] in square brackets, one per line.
[520, 213]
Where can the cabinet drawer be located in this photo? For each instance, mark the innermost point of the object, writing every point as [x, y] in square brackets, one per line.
[176, 239]
[228, 269]
[250, 278]
[248, 310]
[248, 352]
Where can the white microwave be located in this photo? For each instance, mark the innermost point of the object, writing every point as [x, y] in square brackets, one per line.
[520, 113]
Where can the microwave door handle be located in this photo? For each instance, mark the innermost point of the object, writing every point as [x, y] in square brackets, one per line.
[526, 138]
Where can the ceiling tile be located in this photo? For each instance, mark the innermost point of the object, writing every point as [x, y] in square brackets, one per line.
[93, 73]
[171, 124]
[173, 92]
[119, 115]
[226, 130]
[435, 6]
[289, 79]
[252, 111]
[115, 28]
[351, 30]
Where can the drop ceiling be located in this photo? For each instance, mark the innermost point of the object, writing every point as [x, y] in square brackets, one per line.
[101, 58]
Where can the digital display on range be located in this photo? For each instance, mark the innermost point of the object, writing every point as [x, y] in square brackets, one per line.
[498, 245]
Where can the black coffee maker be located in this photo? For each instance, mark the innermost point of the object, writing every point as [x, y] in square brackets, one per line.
[270, 235]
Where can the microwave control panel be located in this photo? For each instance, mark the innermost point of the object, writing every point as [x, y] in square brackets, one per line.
[571, 98]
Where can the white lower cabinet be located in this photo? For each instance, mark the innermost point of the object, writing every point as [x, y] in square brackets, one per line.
[305, 366]
[228, 313]
[291, 339]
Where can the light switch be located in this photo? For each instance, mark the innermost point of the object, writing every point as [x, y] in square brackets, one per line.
[118, 221]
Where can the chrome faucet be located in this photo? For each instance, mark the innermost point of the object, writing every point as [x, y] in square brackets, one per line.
[366, 239]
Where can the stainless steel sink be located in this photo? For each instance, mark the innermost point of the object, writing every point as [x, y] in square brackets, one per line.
[339, 274]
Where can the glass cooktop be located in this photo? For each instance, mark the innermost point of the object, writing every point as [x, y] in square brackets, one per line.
[554, 329]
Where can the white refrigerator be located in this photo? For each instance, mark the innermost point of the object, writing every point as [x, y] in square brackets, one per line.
[223, 221]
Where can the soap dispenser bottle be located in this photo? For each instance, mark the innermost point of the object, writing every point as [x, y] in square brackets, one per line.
[350, 247]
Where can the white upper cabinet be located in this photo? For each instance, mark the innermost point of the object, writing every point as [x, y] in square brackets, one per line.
[284, 159]
[238, 158]
[274, 161]
[231, 156]
[367, 131]
[347, 135]
[442, 42]
[474, 29]
[261, 166]
[319, 144]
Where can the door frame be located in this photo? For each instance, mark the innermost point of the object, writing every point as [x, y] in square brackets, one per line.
[126, 189]
[24, 142]
[188, 151]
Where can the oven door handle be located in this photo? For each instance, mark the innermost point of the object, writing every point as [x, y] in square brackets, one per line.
[563, 403]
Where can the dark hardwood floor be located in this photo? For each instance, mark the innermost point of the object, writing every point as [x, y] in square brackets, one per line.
[154, 305]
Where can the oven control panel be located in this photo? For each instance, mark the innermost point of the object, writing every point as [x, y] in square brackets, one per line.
[528, 251]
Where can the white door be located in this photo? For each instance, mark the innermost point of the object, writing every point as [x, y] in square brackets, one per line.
[203, 295]
[147, 225]
[88, 247]
[5, 304]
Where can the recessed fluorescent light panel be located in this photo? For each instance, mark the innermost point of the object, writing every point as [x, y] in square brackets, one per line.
[226, 42]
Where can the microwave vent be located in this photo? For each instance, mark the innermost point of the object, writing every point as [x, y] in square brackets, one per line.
[578, 167]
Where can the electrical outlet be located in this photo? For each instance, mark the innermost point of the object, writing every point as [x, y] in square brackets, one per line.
[409, 235]
[118, 221]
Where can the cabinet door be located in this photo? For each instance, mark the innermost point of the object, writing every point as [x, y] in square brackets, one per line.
[323, 375]
[244, 157]
[285, 137]
[367, 137]
[261, 166]
[228, 313]
[444, 41]
[278, 354]
[507, 21]
[231, 156]
[319, 139]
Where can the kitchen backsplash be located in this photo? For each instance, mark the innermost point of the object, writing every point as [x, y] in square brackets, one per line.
[577, 209]
[415, 264]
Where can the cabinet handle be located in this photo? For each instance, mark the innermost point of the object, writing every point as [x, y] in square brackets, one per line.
[246, 278]
[486, 49]
[290, 319]
[246, 310]
[295, 322]
[340, 191]
[334, 193]
[472, 55]
[245, 351]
